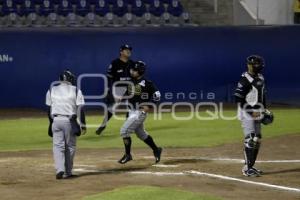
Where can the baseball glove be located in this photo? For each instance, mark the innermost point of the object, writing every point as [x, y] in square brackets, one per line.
[268, 117]
[76, 126]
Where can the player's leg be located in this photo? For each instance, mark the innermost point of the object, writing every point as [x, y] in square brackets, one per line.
[128, 127]
[251, 144]
[108, 113]
[257, 145]
[58, 148]
[144, 136]
[69, 131]
[111, 100]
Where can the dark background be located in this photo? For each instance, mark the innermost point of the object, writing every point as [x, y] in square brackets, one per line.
[201, 60]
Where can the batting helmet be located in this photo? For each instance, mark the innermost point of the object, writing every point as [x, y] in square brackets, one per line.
[257, 62]
[68, 76]
[140, 67]
[125, 46]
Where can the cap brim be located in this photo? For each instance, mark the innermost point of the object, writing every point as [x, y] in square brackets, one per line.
[122, 49]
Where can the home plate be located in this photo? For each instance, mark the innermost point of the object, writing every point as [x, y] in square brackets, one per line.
[165, 166]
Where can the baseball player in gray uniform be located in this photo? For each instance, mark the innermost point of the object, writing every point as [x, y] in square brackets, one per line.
[252, 111]
[65, 103]
[142, 95]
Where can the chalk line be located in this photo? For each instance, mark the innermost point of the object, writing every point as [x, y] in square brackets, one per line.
[228, 178]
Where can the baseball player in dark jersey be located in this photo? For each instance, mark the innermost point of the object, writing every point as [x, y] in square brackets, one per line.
[118, 70]
[251, 99]
[142, 95]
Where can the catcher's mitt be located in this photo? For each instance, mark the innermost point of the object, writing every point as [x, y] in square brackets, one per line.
[268, 117]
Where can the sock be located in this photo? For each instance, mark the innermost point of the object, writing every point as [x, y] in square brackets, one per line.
[109, 115]
[149, 141]
[127, 145]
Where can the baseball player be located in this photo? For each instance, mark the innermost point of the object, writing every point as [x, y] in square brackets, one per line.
[250, 96]
[142, 94]
[118, 70]
[64, 101]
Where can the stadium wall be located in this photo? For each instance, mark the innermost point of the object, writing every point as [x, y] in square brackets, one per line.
[202, 61]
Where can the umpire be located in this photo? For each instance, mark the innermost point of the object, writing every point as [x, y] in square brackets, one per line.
[64, 101]
[118, 70]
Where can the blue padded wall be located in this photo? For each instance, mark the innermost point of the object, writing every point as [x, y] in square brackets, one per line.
[200, 60]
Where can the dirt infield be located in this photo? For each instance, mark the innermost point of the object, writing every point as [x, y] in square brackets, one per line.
[30, 174]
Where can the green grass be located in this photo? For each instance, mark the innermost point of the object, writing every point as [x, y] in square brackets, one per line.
[148, 193]
[31, 134]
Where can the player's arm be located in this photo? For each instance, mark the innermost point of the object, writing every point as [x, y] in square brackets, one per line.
[50, 133]
[154, 92]
[240, 93]
[82, 117]
[264, 98]
[48, 103]
[110, 75]
[49, 114]
[154, 97]
[80, 103]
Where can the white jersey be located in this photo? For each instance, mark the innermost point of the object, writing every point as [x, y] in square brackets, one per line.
[64, 99]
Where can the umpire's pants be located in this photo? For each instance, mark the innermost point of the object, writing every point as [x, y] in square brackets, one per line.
[64, 144]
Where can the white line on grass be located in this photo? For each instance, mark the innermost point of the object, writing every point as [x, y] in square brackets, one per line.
[234, 160]
[197, 173]
[159, 173]
[278, 161]
[244, 181]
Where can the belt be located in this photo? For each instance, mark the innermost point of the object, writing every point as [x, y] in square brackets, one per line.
[61, 115]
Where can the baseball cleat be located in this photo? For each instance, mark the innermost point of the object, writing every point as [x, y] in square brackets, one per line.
[60, 175]
[157, 154]
[258, 171]
[250, 173]
[100, 130]
[245, 168]
[126, 158]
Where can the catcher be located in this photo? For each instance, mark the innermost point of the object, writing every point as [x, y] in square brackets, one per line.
[251, 99]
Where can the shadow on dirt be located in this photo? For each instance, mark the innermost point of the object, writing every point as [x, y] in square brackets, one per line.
[112, 171]
[282, 171]
[185, 161]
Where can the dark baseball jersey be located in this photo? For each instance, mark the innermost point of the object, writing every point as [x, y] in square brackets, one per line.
[119, 71]
[250, 91]
[144, 91]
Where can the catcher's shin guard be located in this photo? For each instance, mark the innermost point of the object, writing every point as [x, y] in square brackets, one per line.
[252, 145]
[249, 158]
